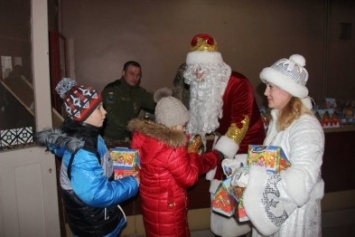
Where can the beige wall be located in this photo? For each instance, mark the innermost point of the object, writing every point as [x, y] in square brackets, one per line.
[251, 35]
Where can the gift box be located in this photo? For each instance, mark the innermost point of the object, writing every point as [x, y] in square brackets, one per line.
[222, 202]
[228, 200]
[271, 157]
[125, 161]
[328, 118]
[242, 215]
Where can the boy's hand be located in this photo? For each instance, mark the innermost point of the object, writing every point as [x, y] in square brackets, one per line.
[136, 175]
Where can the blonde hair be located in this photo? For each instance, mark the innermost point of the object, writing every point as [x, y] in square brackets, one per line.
[292, 111]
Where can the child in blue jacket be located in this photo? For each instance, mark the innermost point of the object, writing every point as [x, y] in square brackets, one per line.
[90, 195]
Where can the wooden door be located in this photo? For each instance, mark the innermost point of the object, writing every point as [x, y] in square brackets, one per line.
[28, 189]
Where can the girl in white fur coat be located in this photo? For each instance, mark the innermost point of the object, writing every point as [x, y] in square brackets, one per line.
[287, 203]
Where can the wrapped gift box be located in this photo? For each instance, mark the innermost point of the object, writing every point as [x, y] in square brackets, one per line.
[328, 118]
[242, 215]
[228, 200]
[271, 157]
[125, 161]
[222, 202]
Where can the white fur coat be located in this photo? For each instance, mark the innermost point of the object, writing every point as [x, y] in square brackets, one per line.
[288, 203]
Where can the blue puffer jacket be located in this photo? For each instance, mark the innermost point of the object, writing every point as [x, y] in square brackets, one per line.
[90, 196]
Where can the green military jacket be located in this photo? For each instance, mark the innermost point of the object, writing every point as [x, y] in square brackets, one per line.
[123, 102]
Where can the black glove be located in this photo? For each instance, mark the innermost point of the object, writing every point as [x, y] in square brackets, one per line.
[220, 155]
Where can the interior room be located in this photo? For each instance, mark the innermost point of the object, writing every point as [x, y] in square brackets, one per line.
[90, 40]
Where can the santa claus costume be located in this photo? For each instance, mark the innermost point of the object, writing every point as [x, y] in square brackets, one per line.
[222, 102]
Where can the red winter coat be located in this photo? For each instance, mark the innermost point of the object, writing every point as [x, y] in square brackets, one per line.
[166, 171]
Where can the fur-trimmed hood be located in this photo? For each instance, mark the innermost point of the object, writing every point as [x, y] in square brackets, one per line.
[71, 135]
[59, 139]
[162, 133]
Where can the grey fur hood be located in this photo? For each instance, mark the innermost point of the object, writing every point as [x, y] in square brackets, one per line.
[58, 139]
[162, 133]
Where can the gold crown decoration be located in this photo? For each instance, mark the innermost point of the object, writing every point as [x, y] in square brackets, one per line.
[203, 42]
[237, 134]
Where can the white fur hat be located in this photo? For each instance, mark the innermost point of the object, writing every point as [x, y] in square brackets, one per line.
[288, 74]
[203, 50]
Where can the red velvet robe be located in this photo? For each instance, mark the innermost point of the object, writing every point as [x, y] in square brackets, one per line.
[238, 101]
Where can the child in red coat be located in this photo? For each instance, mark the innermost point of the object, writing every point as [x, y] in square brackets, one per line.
[168, 167]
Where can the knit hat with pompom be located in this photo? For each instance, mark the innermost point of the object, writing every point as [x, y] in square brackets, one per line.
[288, 74]
[169, 111]
[79, 101]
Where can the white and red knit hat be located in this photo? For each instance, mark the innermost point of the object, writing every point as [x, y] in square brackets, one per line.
[79, 101]
[203, 50]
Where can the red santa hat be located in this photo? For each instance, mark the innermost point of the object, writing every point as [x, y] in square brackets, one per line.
[203, 50]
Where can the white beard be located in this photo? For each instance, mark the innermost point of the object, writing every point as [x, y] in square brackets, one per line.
[206, 96]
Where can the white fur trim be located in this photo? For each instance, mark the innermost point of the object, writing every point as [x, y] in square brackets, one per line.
[210, 174]
[318, 191]
[298, 60]
[307, 102]
[227, 146]
[228, 226]
[214, 185]
[287, 84]
[202, 57]
[252, 201]
[297, 186]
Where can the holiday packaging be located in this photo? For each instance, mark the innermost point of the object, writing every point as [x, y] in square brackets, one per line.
[228, 200]
[222, 202]
[125, 161]
[271, 157]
